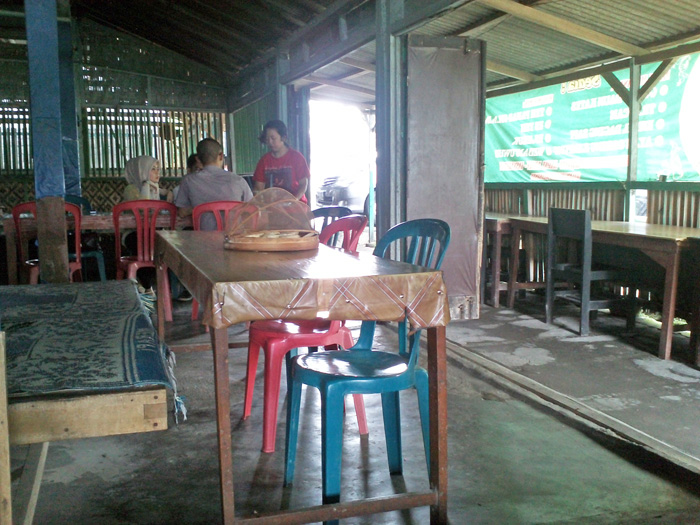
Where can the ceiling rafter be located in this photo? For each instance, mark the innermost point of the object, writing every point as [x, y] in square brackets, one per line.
[359, 64]
[258, 13]
[338, 84]
[219, 31]
[149, 27]
[286, 12]
[562, 25]
[512, 72]
[224, 16]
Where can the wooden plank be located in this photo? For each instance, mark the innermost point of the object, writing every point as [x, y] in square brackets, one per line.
[5, 475]
[27, 494]
[36, 421]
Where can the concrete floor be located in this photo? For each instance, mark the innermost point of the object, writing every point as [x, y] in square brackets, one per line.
[513, 458]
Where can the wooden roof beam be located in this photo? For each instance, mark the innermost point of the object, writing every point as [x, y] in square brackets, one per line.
[561, 25]
[359, 64]
[338, 84]
[512, 72]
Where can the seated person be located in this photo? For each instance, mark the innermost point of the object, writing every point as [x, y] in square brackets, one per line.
[211, 183]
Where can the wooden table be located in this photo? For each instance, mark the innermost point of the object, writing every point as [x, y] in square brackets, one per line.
[662, 244]
[496, 225]
[93, 222]
[237, 286]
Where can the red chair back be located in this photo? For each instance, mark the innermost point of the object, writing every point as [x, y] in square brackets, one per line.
[19, 209]
[146, 213]
[351, 226]
[220, 209]
[30, 208]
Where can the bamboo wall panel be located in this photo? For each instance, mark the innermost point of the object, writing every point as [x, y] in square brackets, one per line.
[675, 208]
[604, 204]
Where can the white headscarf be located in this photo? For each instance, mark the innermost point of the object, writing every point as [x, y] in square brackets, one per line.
[138, 173]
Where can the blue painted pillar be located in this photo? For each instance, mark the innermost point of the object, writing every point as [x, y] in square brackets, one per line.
[44, 87]
[69, 113]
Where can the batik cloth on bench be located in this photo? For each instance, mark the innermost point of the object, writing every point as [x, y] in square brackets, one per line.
[64, 338]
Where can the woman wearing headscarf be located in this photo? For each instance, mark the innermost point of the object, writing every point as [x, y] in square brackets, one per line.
[142, 174]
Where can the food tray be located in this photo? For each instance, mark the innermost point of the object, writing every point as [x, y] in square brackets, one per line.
[274, 241]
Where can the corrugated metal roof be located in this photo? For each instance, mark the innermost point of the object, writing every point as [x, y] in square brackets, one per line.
[521, 45]
[230, 35]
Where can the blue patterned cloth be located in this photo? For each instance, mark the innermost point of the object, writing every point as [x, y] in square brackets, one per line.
[75, 337]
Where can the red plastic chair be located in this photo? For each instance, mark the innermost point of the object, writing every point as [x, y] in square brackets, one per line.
[221, 211]
[146, 213]
[277, 338]
[31, 266]
[351, 228]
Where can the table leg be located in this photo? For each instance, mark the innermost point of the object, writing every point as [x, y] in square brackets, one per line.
[11, 254]
[437, 373]
[671, 264]
[513, 268]
[496, 269]
[219, 343]
[161, 274]
[5, 470]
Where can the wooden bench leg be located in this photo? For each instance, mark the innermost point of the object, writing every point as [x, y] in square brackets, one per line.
[5, 475]
[30, 482]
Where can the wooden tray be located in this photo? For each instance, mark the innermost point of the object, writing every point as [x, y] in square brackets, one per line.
[274, 241]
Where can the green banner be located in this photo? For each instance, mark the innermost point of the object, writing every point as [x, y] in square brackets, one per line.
[579, 131]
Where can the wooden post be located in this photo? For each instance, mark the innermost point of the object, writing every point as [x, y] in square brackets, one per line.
[5, 477]
[53, 242]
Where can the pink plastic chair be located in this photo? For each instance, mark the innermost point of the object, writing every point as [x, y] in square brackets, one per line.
[146, 213]
[221, 211]
[277, 338]
[31, 266]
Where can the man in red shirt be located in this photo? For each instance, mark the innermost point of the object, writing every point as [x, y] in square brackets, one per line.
[282, 167]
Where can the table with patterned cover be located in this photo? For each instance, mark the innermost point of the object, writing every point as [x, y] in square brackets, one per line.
[237, 286]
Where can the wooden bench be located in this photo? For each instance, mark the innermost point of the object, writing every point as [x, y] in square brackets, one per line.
[135, 401]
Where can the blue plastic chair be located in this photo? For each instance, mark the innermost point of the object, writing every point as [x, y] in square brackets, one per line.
[87, 253]
[363, 371]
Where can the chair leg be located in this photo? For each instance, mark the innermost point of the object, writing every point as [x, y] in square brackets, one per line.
[290, 454]
[392, 430]
[549, 301]
[424, 409]
[361, 414]
[585, 310]
[347, 342]
[288, 363]
[332, 444]
[101, 266]
[195, 310]
[271, 396]
[253, 354]
[631, 308]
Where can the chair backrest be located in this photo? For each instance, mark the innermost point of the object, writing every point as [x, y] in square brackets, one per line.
[330, 214]
[84, 204]
[30, 208]
[219, 209]
[422, 242]
[351, 227]
[564, 223]
[146, 213]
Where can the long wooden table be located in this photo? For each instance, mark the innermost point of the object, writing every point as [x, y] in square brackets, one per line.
[100, 221]
[234, 287]
[662, 244]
